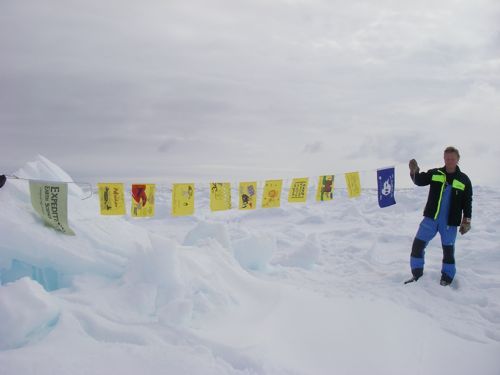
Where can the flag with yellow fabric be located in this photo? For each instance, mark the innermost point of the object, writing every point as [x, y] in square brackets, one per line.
[298, 190]
[220, 196]
[272, 193]
[182, 199]
[143, 200]
[325, 188]
[111, 198]
[353, 184]
[248, 195]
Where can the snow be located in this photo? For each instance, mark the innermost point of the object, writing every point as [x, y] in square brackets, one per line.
[254, 252]
[26, 310]
[311, 288]
[203, 231]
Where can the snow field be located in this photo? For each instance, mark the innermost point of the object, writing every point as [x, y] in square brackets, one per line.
[310, 288]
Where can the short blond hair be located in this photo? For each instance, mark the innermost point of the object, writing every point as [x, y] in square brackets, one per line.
[451, 149]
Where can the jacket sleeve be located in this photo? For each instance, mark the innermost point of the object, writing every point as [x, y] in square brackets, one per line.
[467, 202]
[423, 178]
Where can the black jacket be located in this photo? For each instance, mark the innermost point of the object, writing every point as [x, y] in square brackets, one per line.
[461, 194]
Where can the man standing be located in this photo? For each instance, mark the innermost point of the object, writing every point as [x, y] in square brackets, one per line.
[449, 206]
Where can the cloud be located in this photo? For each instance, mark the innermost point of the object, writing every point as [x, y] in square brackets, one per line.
[244, 83]
[167, 145]
[312, 148]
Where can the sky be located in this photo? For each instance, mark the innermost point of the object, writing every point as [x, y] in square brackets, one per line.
[222, 89]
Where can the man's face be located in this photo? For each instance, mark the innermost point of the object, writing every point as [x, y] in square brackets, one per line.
[450, 160]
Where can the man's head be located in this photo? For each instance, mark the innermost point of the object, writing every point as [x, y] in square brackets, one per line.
[451, 158]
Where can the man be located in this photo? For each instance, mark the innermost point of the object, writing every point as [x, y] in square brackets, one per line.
[2, 180]
[449, 206]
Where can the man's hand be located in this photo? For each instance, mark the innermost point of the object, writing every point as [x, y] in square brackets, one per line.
[413, 166]
[465, 226]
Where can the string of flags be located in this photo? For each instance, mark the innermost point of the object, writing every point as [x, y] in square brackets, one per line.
[49, 199]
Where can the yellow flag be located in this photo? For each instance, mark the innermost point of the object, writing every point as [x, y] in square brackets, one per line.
[143, 200]
[220, 196]
[298, 190]
[182, 199]
[248, 195]
[353, 184]
[272, 194]
[325, 188]
[112, 198]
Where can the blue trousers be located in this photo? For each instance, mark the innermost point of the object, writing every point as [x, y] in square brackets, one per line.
[426, 232]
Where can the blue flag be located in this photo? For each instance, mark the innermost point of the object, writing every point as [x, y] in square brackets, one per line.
[386, 187]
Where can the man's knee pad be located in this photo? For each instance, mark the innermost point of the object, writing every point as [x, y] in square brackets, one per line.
[449, 254]
[417, 249]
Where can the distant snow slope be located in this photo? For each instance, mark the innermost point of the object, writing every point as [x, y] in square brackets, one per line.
[310, 288]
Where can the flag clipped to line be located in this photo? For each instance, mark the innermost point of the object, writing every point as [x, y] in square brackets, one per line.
[182, 199]
[143, 200]
[325, 188]
[353, 184]
[386, 187]
[111, 198]
[220, 196]
[298, 190]
[272, 193]
[50, 201]
[248, 195]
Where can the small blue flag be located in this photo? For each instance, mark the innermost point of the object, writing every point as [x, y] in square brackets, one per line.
[386, 187]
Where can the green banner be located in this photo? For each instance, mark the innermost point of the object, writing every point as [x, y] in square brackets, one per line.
[50, 201]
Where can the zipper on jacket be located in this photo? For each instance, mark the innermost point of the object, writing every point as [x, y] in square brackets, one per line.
[443, 180]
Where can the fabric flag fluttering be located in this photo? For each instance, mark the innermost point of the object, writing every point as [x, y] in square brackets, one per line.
[248, 195]
[220, 196]
[272, 194]
[298, 190]
[353, 183]
[143, 200]
[111, 198]
[50, 201]
[182, 199]
[325, 188]
[386, 187]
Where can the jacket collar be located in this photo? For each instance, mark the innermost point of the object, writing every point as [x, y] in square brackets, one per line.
[443, 169]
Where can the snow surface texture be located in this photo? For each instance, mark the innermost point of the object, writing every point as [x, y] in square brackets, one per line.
[310, 288]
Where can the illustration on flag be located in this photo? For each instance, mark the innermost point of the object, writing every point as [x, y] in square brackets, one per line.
[298, 190]
[220, 196]
[325, 188]
[353, 184]
[248, 195]
[143, 200]
[111, 198]
[272, 194]
[182, 199]
[386, 187]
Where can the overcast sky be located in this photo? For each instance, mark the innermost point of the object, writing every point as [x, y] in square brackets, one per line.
[230, 89]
